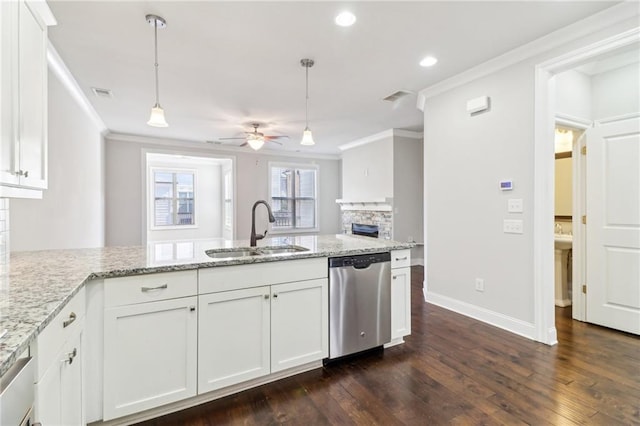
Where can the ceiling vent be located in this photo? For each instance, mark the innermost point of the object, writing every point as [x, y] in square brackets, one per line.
[397, 95]
[102, 93]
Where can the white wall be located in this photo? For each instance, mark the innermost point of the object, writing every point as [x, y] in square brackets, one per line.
[408, 189]
[573, 94]
[124, 168]
[208, 193]
[464, 159]
[71, 212]
[616, 92]
[367, 171]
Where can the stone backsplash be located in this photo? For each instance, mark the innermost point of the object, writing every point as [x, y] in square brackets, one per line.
[368, 217]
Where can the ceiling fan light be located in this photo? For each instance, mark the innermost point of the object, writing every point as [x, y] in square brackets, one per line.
[157, 117]
[255, 143]
[307, 137]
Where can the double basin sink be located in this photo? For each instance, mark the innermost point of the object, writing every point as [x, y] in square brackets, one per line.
[226, 253]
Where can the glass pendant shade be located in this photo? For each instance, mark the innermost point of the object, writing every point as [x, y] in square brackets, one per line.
[307, 137]
[157, 117]
[255, 143]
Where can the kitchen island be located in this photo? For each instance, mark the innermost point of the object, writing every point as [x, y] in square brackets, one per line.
[37, 286]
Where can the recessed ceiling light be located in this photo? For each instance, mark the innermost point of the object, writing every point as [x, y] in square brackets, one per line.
[345, 19]
[428, 61]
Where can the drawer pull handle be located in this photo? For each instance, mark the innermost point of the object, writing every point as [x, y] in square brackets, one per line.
[401, 258]
[72, 318]
[70, 356]
[160, 287]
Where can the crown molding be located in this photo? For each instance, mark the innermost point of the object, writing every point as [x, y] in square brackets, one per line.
[60, 70]
[191, 145]
[582, 28]
[382, 135]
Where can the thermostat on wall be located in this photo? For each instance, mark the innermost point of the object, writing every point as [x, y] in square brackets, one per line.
[506, 185]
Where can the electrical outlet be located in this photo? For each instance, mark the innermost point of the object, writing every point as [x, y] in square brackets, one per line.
[479, 284]
[514, 205]
[512, 226]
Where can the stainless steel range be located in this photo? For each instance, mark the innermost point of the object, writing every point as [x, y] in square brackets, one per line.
[359, 303]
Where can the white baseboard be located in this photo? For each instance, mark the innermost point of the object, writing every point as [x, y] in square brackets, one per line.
[499, 320]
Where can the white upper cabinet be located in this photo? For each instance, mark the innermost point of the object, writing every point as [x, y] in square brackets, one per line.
[23, 105]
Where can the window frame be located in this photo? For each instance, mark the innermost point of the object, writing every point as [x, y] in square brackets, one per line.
[152, 197]
[316, 198]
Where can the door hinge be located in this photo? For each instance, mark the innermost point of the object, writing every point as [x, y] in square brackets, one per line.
[584, 288]
[583, 150]
[584, 219]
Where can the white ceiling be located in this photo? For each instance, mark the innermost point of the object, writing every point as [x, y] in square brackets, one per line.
[224, 65]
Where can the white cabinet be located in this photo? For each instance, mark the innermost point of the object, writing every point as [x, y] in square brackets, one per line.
[150, 347]
[60, 392]
[249, 330]
[400, 295]
[299, 323]
[234, 337]
[23, 105]
[59, 358]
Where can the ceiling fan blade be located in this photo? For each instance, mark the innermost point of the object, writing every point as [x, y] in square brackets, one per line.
[231, 139]
[272, 141]
[271, 138]
[245, 144]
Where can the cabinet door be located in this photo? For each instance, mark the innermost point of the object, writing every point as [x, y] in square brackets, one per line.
[233, 337]
[400, 302]
[150, 355]
[8, 100]
[32, 99]
[71, 383]
[299, 323]
[59, 392]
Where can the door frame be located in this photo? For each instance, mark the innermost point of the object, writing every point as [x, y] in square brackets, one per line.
[543, 192]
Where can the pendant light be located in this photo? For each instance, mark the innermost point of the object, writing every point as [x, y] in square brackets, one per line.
[157, 113]
[307, 137]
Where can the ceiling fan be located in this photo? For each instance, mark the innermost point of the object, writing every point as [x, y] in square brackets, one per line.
[257, 139]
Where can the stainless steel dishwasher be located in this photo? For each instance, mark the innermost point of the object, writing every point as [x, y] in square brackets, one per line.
[359, 303]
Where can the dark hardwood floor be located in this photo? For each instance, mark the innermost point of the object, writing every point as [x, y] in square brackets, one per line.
[453, 370]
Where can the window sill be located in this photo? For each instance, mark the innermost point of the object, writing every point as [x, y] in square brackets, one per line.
[172, 228]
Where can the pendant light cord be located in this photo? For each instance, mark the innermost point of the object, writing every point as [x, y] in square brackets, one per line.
[306, 105]
[155, 30]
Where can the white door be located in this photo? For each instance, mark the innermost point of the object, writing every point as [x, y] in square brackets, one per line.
[233, 337]
[299, 323]
[613, 225]
[150, 355]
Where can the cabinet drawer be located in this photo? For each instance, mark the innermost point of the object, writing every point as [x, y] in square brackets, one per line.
[149, 288]
[58, 332]
[227, 278]
[400, 258]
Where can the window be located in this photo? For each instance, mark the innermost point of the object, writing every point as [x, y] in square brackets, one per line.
[173, 202]
[293, 190]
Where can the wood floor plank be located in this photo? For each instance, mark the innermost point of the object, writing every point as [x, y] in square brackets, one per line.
[452, 370]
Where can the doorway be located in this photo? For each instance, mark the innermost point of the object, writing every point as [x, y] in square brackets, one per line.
[547, 102]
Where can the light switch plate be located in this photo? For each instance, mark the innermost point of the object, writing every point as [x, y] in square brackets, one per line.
[514, 205]
[513, 226]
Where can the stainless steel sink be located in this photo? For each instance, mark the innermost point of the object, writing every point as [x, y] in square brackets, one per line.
[230, 253]
[282, 249]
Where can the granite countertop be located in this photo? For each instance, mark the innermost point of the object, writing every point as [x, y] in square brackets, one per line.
[36, 285]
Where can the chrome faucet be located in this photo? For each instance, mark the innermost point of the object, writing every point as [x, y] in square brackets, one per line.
[255, 237]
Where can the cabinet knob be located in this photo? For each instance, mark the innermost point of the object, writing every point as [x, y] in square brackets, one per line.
[70, 356]
[395, 276]
[266, 296]
[68, 322]
[192, 308]
[275, 295]
[24, 173]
